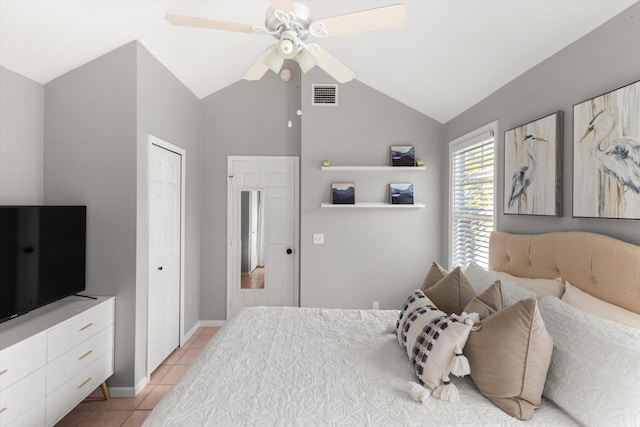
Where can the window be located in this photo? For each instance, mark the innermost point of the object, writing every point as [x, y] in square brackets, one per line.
[471, 161]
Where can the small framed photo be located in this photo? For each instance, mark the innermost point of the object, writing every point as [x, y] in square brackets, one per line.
[402, 155]
[343, 193]
[401, 194]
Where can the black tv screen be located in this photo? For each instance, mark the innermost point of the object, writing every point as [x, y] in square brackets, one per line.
[42, 256]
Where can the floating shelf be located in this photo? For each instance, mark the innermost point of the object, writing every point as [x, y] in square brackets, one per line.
[372, 205]
[375, 168]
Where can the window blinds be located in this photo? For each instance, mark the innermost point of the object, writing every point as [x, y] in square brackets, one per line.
[472, 197]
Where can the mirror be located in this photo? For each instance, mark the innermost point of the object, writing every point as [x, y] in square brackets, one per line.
[252, 239]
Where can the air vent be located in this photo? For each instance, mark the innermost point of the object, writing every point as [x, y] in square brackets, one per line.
[325, 95]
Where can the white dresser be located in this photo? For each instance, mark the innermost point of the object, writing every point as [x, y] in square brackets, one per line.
[52, 358]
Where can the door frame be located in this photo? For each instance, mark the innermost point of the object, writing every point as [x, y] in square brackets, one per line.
[232, 253]
[153, 140]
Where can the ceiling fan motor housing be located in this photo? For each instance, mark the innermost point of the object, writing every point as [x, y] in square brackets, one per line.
[299, 24]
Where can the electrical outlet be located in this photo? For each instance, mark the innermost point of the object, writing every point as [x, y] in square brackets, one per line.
[318, 239]
[375, 305]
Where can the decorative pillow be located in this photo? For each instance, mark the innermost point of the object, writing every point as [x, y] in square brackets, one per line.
[481, 279]
[487, 302]
[434, 342]
[509, 356]
[415, 301]
[585, 302]
[541, 287]
[435, 274]
[594, 373]
[452, 293]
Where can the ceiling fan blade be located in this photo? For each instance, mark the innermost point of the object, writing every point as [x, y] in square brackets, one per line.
[332, 66]
[380, 18]
[283, 5]
[213, 24]
[258, 68]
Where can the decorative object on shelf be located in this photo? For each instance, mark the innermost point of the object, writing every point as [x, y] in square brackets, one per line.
[402, 155]
[419, 163]
[606, 152]
[401, 193]
[533, 167]
[343, 193]
[326, 163]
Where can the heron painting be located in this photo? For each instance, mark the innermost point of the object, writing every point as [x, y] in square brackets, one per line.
[532, 167]
[606, 164]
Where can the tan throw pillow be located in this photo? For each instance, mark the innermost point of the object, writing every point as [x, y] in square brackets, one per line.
[452, 293]
[435, 274]
[487, 302]
[597, 307]
[509, 356]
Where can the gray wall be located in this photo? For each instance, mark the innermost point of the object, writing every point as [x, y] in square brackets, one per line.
[369, 254]
[603, 60]
[244, 119]
[169, 111]
[90, 158]
[21, 127]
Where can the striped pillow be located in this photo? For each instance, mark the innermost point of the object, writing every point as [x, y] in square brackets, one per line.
[433, 341]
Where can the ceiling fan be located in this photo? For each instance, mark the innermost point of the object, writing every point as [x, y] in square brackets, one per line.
[289, 22]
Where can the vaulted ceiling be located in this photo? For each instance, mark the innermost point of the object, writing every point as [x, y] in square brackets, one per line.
[450, 55]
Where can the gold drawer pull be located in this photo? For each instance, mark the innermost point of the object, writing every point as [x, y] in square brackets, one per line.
[88, 325]
[2, 410]
[85, 355]
[84, 382]
[4, 371]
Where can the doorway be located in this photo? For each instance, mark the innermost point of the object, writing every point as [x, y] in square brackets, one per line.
[263, 231]
[166, 248]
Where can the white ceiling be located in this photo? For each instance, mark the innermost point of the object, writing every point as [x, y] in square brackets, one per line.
[450, 55]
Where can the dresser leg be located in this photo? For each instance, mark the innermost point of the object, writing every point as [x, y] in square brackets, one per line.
[105, 391]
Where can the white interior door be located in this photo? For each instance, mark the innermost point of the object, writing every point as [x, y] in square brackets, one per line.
[165, 190]
[275, 182]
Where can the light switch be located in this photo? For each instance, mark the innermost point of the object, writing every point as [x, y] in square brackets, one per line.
[318, 239]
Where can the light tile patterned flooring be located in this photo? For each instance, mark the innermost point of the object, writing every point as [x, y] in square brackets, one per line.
[94, 411]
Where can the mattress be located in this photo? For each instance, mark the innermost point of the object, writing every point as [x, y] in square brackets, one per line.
[286, 366]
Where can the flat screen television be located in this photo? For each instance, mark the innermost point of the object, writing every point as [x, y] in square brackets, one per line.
[42, 256]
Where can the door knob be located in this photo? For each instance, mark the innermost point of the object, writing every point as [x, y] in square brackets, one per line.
[160, 268]
[289, 251]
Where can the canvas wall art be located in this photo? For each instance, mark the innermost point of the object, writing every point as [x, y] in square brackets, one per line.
[606, 155]
[533, 167]
[401, 193]
[343, 193]
[402, 155]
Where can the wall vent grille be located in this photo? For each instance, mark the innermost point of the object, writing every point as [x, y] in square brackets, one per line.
[324, 94]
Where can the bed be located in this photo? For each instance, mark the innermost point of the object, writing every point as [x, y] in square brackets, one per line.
[306, 366]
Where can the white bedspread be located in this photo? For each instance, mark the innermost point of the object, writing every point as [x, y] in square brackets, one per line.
[318, 367]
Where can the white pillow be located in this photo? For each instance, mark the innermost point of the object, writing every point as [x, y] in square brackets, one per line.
[585, 302]
[482, 279]
[594, 374]
[541, 287]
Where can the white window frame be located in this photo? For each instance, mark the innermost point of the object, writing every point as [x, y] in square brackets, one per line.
[481, 134]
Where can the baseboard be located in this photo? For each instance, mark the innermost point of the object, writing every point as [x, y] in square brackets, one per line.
[129, 391]
[214, 323]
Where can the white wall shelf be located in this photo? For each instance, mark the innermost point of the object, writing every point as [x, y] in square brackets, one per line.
[371, 205]
[375, 168]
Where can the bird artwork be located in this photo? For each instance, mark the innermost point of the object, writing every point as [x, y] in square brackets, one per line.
[621, 158]
[524, 173]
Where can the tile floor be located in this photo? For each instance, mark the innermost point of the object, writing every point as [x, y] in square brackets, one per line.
[94, 411]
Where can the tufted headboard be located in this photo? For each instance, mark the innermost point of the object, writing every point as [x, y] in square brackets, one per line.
[607, 268]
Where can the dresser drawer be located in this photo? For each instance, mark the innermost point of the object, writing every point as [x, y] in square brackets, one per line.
[18, 398]
[73, 391]
[84, 354]
[69, 334]
[21, 359]
[34, 417]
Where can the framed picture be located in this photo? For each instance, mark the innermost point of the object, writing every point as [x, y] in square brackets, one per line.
[606, 155]
[402, 155]
[401, 194]
[343, 193]
[533, 167]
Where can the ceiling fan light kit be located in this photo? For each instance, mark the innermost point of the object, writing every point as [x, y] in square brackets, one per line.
[290, 23]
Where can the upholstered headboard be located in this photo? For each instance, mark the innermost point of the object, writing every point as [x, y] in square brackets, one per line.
[607, 268]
